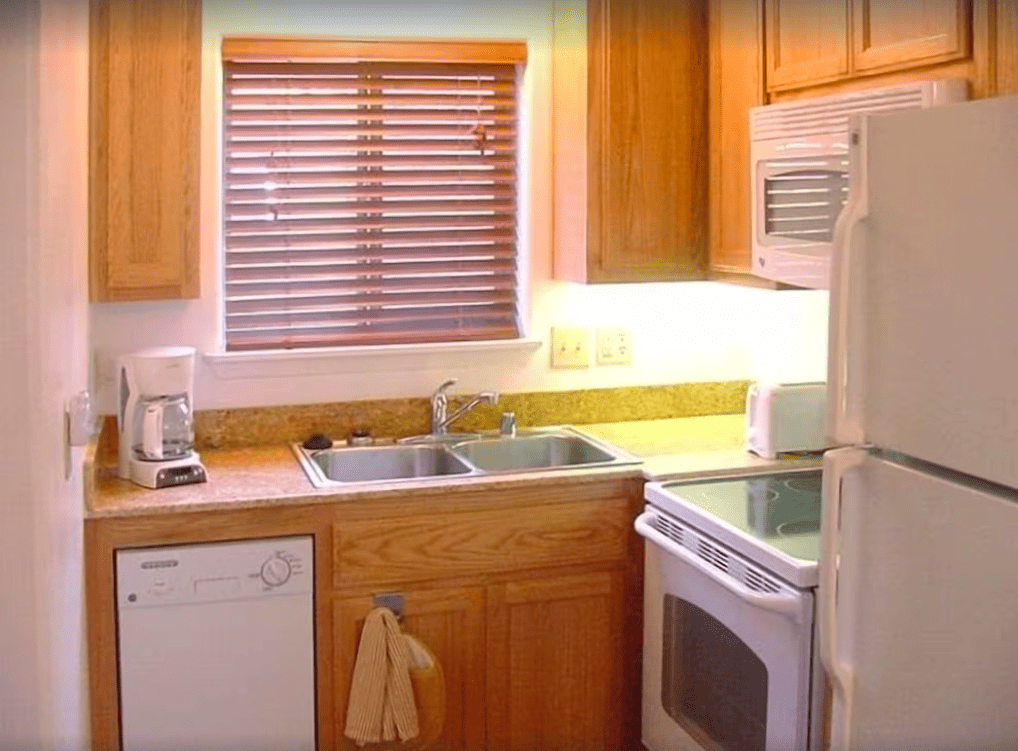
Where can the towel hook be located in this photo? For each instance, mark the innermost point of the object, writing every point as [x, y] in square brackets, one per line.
[391, 600]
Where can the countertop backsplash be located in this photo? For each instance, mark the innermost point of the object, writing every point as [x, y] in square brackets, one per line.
[396, 418]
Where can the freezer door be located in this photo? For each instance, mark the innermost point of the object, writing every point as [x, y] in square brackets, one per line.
[927, 360]
[918, 618]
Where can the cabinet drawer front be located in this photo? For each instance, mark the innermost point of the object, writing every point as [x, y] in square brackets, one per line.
[479, 542]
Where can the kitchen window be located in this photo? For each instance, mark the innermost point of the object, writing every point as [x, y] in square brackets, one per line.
[369, 192]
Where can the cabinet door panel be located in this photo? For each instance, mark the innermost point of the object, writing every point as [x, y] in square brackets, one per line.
[451, 623]
[736, 85]
[1007, 47]
[647, 160]
[807, 42]
[891, 34]
[145, 68]
[555, 675]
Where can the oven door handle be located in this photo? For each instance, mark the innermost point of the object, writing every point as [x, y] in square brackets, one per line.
[789, 604]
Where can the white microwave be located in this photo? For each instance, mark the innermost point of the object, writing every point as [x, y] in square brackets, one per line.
[799, 165]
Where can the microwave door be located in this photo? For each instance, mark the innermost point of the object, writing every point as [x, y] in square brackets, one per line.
[797, 205]
[802, 198]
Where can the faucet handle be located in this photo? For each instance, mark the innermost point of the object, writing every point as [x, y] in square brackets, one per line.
[507, 425]
[441, 389]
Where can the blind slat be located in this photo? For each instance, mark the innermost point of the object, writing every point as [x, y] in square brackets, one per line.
[253, 100]
[238, 69]
[440, 252]
[263, 165]
[367, 193]
[353, 240]
[310, 302]
[369, 117]
[236, 289]
[281, 147]
[290, 273]
[402, 179]
[268, 207]
[390, 316]
[239, 343]
[268, 131]
[240, 85]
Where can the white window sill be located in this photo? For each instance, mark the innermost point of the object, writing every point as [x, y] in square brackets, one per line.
[298, 362]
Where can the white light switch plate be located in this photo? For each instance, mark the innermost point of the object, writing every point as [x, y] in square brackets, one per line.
[614, 346]
[570, 347]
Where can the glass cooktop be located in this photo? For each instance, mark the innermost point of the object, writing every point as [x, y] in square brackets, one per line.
[766, 517]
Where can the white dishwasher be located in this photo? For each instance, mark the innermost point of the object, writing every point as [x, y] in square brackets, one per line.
[216, 646]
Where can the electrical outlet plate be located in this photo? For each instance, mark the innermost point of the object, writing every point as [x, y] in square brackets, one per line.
[614, 346]
[570, 347]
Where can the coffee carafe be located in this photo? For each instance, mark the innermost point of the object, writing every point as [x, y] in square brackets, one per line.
[155, 419]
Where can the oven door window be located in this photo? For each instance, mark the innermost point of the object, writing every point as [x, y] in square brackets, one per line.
[712, 683]
[802, 198]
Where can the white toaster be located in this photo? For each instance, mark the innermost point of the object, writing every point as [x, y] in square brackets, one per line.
[785, 417]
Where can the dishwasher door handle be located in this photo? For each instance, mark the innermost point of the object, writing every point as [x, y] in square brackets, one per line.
[786, 604]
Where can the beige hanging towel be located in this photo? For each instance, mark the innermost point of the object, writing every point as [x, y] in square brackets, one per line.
[381, 704]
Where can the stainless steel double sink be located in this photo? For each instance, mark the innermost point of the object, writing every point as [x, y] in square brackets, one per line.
[529, 451]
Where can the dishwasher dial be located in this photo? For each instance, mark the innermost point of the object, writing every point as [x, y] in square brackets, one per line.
[276, 571]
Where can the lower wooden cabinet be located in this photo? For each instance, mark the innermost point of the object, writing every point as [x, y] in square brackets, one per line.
[450, 621]
[554, 663]
[529, 665]
[528, 595]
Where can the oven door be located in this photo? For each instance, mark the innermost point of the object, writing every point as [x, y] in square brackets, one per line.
[727, 647]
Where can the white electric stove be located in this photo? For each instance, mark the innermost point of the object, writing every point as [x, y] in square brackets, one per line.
[729, 663]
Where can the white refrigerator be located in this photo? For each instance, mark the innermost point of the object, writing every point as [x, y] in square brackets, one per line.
[918, 612]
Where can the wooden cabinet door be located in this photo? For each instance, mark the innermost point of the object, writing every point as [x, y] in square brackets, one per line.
[145, 90]
[1007, 47]
[451, 623]
[807, 41]
[890, 34]
[736, 85]
[556, 677]
[647, 140]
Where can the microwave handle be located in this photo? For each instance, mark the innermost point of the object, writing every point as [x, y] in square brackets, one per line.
[837, 463]
[788, 605]
[844, 397]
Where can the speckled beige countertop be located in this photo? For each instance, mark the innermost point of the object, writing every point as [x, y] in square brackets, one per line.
[687, 447]
[270, 475]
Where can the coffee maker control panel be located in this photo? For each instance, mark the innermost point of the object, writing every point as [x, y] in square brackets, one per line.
[169, 476]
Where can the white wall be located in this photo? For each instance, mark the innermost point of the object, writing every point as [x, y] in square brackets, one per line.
[681, 332]
[44, 348]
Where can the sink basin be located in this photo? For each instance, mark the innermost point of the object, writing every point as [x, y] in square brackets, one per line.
[530, 450]
[533, 452]
[382, 463]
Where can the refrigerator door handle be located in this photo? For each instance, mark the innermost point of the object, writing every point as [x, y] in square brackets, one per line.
[786, 604]
[844, 423]
[837, 463]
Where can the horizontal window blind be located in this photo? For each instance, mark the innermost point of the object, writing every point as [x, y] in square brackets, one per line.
[368, 201]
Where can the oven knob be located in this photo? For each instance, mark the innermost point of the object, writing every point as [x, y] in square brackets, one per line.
[276, 571]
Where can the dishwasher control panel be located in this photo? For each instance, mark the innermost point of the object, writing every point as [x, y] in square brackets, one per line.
[212, 572]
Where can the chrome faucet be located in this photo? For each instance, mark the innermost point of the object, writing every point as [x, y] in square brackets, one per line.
[440, 404]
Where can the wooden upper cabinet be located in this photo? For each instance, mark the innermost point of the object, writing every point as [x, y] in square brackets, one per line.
[890, 34]
[1007, 48]
[736, 85]
[144, 168]
[630, 140]
[807, 41]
